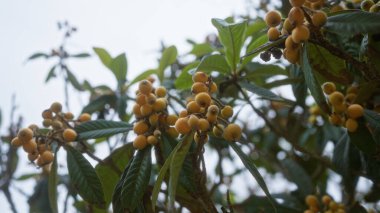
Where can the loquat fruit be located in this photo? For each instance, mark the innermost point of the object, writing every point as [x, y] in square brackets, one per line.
[288, 26]
[335, 119]
[152, 140]
[141, 99]
[311, 200]
[351, 125]
[33, 156]
[199, 87]
[273, 18]
[153, 119]
[57, 125]
[213, 109]
[140, 127]
[339, 108]
[47, 157]
[146, 110]
[203, 99]
[172, 132]
[273, 34]
[145, 87]
[336, 98]
[47, 113]
[350, 98]
[227, 111]
[296, 17]
[193, 107]
[140, 142]
[25, 134]
[69, 135]
[200, 138]
[211, 118]
[232, 132]
[292, 56]
[68, 116]
[182, 126]
[375, 8]
[193, 122]
[16, 142]
[213, 87]
[319, 18]
[136, 110]
[171, 119]
[355, 111]
[30, 146]
[203, 124]
[200, 77]
[160, 91]
[326, 200]
[56, 107]
[300, 34]
[47, 122]
[84, 117]
[328, 88]
[159, 105]
[150, 98]
[366, 5]
[297, 3]
[183, 113]
[218, 130]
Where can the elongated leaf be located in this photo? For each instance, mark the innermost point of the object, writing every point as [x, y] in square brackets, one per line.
[176, 167]
[264, 93]
[51, 74]
[53, 184]
[104, 56]
[282, 82]
[249, 164]
[232, 38]
[38, 55]
[257, 70]
[312, 83]
[362, 138]
[354, 22]
[74, 81]
[184, 80]
[299, 89]
[80, 55]
[169, 56]
[299, 176]
[116, 196]
[257, 45]
[346, 157]
[101, 128]
[256, 27]
[261, 204]
[136, 180]
[99, 103]
[84, 178]
[214, 63]
[109, 172]
[373, 120]
[119, 68]
[143, 76]
[201, 49]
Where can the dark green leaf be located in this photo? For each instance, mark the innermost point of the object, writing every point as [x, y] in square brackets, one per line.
[264, 93]
[354, 22]
[104, 56]
[262, 204]
[299, 89]
[250, 165]
[258, 70]
[232, 37]
[184, 80]
[136, 180]
[214, 63]
[299, 176]
[169, 56]
[80, 55]
[119, 68]
[73, 80]
[27, 176]
[38, 55]
[362, 138]
[53, 184]
[109, 172]
[122, 107]
[51, 74]
[373, 120]
[116, 196]
[176, 163]
[101, 128]
[311, 82]
[346, 157]
[84, 178]
[99, 103]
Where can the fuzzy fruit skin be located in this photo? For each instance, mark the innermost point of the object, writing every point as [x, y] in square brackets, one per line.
[336, 98]
[273, 18]
[146, 110]
[296, 16]
[273, 34]
[326, 200]
[152, 140]
[328, 88]
[355, 111]
[182, 126]
[319, 18]
[171, 119]
[200, 77]
[47, 157]
[351, 125]
[25, 134]
[227, 111]
[56, 107]
[290, 45]
[47, 113]
[69, 135]
[218, 130]
[140, 127]
[292, 56]
[232, 132]
[213, 109]
[203, 125]
[300, 34]
[16, 142]
[30, 146]
[145, 87]
[335, 119]
[193, 122]
[297, 3]
[311, 200]
[140, 142]
[213, 87]
[172, 132]
[203, 99]
[160, 92]
[193, 107]
[199, 87]
[366, 5]
[33, 156]
[84, 117]
[159, 105]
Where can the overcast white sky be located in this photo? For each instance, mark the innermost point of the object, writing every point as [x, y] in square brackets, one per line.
[134, 27]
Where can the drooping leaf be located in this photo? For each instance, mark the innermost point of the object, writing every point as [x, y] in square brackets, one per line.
[264, 93]
[257, 70]
[184, 80]
[299, 176]
[136, 180]
[74, 81]
[354, 22]
[104, 56]
[232, 37]
[143, 76]
[53, 184]
[110, 171]
[84, 178]
[51, 74]
[346, 157]
[80, 55]
[176, 163]
[169, 56]
[299, 89]
[99, 103]
[101, 128]
[119, 68]
[313, 85]
[38, 55]
[116, 196]
[214, 63]
[250, 165]
[373, 120]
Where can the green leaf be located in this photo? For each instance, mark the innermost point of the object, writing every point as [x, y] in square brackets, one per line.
[313, 85]
[101, 128]
[176, 163]
[299, 89]
[373, 120]
[119, 68]
[282, 82]
[214, 63]
[27, 176]
[346, 157]
[257, 70]
[250, 165]
[104, 56]
[53, 184]
[99, 103]
[51, 74]
[137, 179]
[261, 204]
[80, 55]
[299, 176]
[184, 80]
[109, 172]
[354, 22]
[84, 178]
[232, 37]
[201, 49]
[116, 196]
[143, 76]
[73, 80]
[264, 93]
[362, 138]
[169, 56]
[255, 28]
[38, 55]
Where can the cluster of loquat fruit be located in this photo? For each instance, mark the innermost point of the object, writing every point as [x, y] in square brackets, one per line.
[151, 114]
[328, 205]
[37, 142]
[204, 113]
[315, 112]
[369, 5]
[344, 111]
[295, 27]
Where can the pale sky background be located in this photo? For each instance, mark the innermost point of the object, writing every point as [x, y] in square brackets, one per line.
[134, 27]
